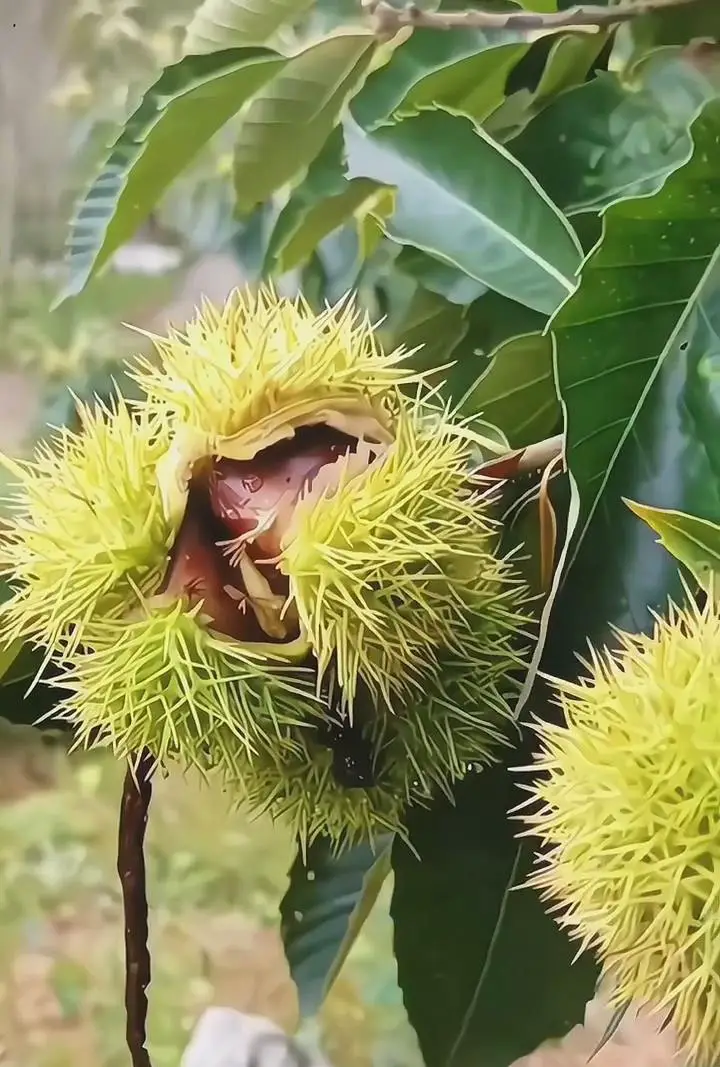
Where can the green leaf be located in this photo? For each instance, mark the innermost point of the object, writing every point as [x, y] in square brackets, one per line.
[285, 126]
[693, 541]
[673, 26]
[177, 117]
[435, 326]
[486, 973]
[361, 198]
[477, 88]
[462, 198]
[569, 61]
[439, 277]
[493, 319]
[517, 391]
[636, 305]
[320, 204]
[640, 387]
[439, 68]
[238, 23]
[610, 140]
[9, 654]
[326, 904]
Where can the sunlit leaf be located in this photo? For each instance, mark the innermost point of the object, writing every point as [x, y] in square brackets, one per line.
[285, 126]
[489, 218]
[178, 115]
[238, 23]
[691, 540]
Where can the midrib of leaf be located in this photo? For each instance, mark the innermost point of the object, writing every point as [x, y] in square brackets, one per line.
[229, 23]
[605, 474]
[291, 88]
[452, 196]
[487, 963]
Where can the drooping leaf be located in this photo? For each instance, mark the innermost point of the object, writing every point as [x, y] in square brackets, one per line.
[326, 904]
[286, 125]
[177, 117]
[239, 23]
[691, 540]
[486, 973]
[322, 202]
[637, 301]
[517, 392]
[610, 140]
[432, 67]
[463, 199]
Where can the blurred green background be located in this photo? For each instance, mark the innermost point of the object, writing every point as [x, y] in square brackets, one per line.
[70, 70]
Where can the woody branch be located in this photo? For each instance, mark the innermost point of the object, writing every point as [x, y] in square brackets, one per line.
[389, 19]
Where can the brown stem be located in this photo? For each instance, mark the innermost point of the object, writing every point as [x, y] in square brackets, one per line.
[535, 457]
[389, 19]
[137, 792]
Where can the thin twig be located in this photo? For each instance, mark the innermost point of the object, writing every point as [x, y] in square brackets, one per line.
[390, 19]
[137, 792]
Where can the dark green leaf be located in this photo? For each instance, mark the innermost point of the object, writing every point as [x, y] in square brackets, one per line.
[636, 350]
[610, 140]
[286, 125]
[517, 392]
[439, 277]
[432, 67]
[328, 900]
[693, 541]
[320, 204]
[637, 303]
[435, 324]
[493, 319]
[673, 26]
[177, 117]
[238, 23]
[486, 974]
[488, 219]
[9, 655]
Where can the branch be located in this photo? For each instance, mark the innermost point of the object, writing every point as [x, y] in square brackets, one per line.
[389, 19]
[137, 792]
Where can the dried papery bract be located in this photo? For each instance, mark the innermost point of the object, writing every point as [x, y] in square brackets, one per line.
[626, 805]
[273, 566]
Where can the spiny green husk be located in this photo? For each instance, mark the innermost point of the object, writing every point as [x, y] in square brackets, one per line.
[88, 527]
[389, 559]
[282, 365]
[421, 749]
[386, 569]
[627, 806]
[161, 679]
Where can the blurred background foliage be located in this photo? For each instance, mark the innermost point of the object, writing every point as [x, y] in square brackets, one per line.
[71, 71]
